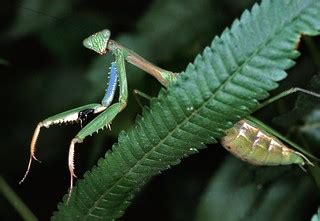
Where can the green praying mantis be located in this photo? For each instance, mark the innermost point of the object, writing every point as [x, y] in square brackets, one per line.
[245, 140]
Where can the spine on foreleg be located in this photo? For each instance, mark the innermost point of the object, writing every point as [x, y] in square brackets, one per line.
[111, 89]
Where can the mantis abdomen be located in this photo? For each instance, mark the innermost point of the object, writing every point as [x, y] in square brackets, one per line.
[258, 147]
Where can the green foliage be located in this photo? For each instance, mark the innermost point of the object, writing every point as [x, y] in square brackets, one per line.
[316, 217]
[4, 62]
[219, 88]
[235, 181]
[173, 35]
[28, 21]
[15, 201]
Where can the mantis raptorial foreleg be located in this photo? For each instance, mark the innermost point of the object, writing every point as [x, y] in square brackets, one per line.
[74, 115]
[78, 114]
[106, 117]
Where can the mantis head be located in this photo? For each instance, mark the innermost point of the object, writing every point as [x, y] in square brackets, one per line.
[98, 41]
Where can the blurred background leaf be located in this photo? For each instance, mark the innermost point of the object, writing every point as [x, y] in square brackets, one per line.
[50, 72]
[316, 217]
[253, 193]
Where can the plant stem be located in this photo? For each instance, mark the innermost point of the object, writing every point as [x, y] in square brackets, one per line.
[15, 201]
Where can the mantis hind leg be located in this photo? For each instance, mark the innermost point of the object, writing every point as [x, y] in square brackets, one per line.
[286, 93]
[137, 93]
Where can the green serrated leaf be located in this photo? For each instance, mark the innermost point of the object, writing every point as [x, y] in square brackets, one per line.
[218, 89]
